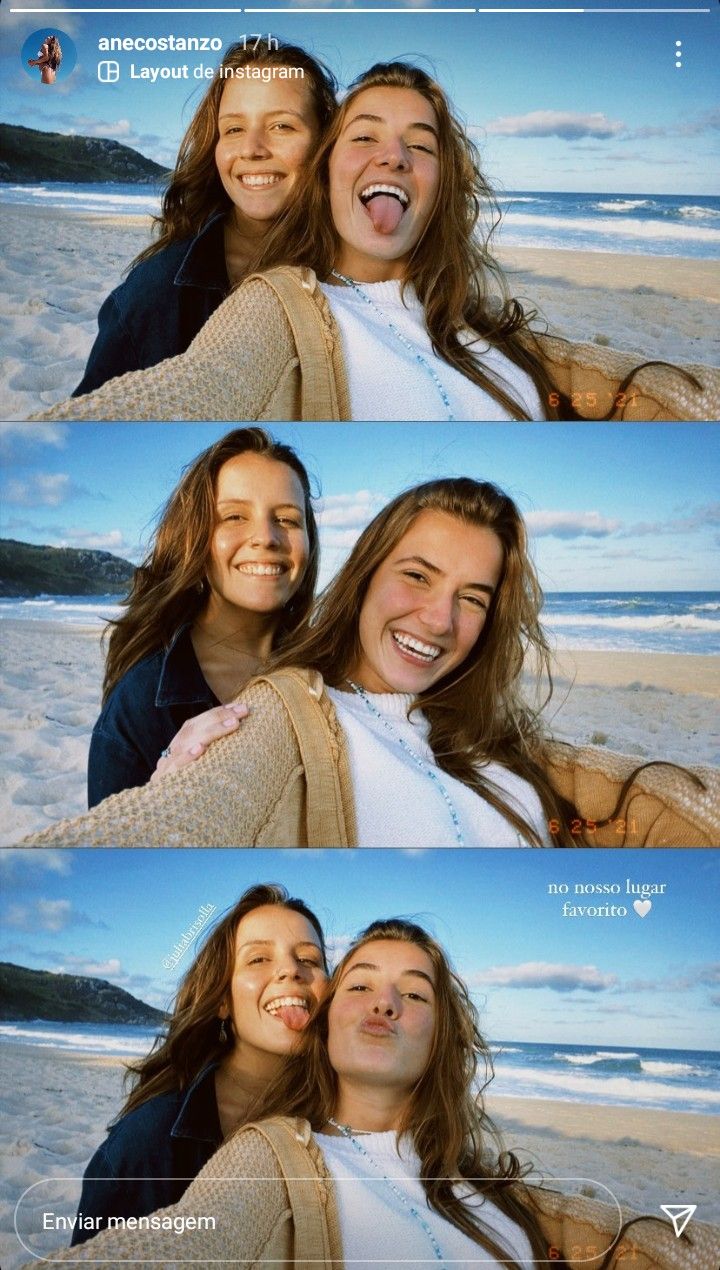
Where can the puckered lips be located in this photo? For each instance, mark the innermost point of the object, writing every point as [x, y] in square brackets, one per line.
[415, 650]
[375, 1025]
[385, 204]
[293, 1011]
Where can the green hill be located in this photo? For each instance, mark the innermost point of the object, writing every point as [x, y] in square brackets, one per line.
[28, 156]
[38, 994]
[27, 570]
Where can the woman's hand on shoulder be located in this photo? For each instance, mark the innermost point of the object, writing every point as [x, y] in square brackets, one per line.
[197, 734]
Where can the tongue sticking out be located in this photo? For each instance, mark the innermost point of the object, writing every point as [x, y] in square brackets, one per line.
[293, 1016]
[384, 211]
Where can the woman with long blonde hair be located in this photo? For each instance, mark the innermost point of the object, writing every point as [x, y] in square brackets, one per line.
[48, 59]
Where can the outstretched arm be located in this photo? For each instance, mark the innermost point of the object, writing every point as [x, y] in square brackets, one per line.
[230, 371]
[241, 1199]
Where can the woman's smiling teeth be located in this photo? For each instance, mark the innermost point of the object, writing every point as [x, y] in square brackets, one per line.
[416, 647]
[257, 180]
[262, 570]
[395, 190]
[279, 1003]
[294, 1012]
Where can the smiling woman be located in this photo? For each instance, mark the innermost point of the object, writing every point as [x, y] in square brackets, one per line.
[238, 1011]
[231, 572]
[376, 296]
[238, 164]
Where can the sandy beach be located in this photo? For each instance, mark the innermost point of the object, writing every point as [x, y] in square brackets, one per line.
[658, 306]
[654, 705]
[57, 1104]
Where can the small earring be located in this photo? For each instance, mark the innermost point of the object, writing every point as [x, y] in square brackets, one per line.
[223, 1033]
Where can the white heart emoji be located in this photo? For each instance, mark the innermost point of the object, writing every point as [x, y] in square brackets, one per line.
[642, 907]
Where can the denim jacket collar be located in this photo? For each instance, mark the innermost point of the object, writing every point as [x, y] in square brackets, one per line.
[203, 264]
[198, 1115]
[181, 679]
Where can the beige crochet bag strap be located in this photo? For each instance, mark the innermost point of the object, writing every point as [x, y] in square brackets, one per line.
[309, 1193]
[328, 816]
[295, 288]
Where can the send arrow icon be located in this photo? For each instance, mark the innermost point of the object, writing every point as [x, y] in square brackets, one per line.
[679, 1215]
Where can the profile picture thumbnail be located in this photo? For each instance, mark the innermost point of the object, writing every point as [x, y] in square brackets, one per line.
[49, 55]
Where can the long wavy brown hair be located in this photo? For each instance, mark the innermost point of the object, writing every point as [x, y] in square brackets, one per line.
[195, 191]
[445, 1114]
[478, 713]
[451, 267]
[170, 588]
[193, 1039]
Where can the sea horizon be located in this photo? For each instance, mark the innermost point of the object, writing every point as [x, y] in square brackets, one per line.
[686, 622]
[630, 221]
[666, 1078]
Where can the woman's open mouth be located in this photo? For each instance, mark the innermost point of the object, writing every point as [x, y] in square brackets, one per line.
[260, 570]
[294, 1012]
[385, 205]
[415, 649]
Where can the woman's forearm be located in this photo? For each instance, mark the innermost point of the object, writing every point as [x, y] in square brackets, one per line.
[229, 372]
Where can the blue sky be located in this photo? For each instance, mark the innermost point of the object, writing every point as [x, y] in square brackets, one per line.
[536, 976]
[611, 507]
[557, 101]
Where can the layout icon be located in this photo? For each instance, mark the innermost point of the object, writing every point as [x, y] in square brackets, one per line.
[679, 1215]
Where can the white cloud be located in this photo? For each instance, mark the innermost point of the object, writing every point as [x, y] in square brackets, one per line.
[567, 124]
[52, 915]
[557, 976]
[17, 438]
[551, 524]
[16, 861]
[345, 510]
[97, 969]
[42, 489]
[112, 540]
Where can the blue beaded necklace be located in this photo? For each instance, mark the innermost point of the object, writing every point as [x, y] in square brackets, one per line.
[417, 760]
[350, 282]
[347, 1132]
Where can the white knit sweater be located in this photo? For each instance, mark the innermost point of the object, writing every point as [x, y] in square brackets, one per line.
[398, 805]
[377, 1227]
[386, 379]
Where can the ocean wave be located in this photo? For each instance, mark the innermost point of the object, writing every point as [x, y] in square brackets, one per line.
[623, 205]
[696, 213]
[610, 1088]
[636, 622]
[644, 228]
[88, 1042]
[655, 1067]
[91, 196]
[600, 1056]
[713, 606]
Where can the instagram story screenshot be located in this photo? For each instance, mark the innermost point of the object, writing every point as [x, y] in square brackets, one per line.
[402, 212]
[282, 569]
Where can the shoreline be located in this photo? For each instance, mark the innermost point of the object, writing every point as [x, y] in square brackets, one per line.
[654, 705]
[58, 1104]
[659, 307]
